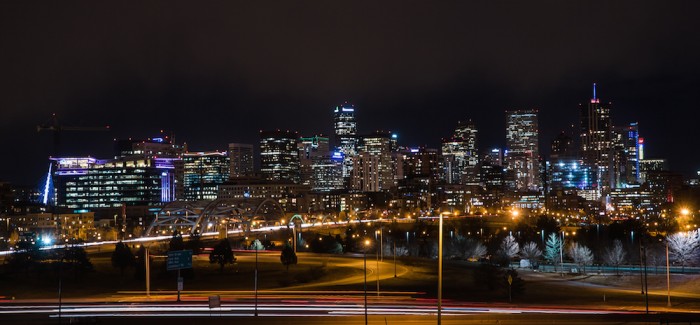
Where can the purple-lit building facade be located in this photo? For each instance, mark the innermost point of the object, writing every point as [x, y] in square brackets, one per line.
[86, 183]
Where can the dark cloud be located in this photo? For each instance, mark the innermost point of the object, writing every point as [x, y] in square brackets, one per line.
[217, 72]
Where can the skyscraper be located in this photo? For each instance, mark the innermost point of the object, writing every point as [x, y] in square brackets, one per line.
[279, 156]
[345, 128]
[203, 172]
[596, 143]
[241, 157]
[311, 149]
[565, 169]
[460, 155]
[522, 153]
[378, 164]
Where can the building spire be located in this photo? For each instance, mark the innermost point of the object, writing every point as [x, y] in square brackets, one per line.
[594, 97]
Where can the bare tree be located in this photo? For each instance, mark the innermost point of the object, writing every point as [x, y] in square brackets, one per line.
[509, 248]
[553, 249]
[683, 247]
[615, 255]
[532, 253]
[475, 249]
[581, 255]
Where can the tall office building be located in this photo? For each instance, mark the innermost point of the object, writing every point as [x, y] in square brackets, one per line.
[632, 150]
[279, 156]
[460, 155]
[565, 170]
[241, 157]
[345, 128]
[327, 173]
[311, 150]
[596, 143]
[378, 164]
[522, 153]
[203, 172]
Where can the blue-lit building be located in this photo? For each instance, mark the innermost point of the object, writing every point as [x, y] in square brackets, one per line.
[565, 170]
[345, 128]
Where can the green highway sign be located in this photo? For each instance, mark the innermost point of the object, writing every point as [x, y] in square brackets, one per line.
[179, 260]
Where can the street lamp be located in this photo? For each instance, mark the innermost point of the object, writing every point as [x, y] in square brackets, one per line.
[256, 278]
[439, 311]
[365, 250]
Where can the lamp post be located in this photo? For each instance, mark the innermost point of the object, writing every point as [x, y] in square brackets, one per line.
[561, 253]
[394, 258]
[365, 268]
[376, 255]
[256, 279]
[439, 311]
[668, 278]
[147, 262]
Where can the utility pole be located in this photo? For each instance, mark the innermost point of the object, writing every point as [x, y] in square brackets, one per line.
[147, 261]
[668, 278]
[439, 311]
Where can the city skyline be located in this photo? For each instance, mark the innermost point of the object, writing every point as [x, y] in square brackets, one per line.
[414, 69]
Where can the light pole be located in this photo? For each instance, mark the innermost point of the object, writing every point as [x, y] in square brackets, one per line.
[256, 279]
[668, 277]
[561, 253]
[439, 311]
[394, 258]
[147, 262]
[365, 250]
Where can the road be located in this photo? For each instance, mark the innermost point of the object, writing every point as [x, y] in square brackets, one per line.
[320, 311]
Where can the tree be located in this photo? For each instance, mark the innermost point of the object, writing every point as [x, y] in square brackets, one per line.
[79, 259]
[257, 245]
[553, 249]
[615, 255]
[532, 253]
[140, 272]
[683, 247]
[288, 256]
[509, 248]
[176, 243]
[195, 243]
[581, 255]
[222, 254]
[122, 257]
[475, 249]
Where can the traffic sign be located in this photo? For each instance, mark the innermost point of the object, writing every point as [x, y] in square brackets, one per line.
[179, 260]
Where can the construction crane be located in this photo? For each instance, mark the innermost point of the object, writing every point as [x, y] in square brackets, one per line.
[54, 126]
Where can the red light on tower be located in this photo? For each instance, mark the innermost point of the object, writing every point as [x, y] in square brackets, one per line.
[641, 140]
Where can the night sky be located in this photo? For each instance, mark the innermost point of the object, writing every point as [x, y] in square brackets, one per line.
[216, 72]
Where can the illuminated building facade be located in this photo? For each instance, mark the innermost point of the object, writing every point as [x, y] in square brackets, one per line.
[378, 164]
[87, 183]
[651, 165]
[290, 196]
[345, 127]
[522, 153]
[159, 147]
[241, 157]
[460, 155]
[565, 170]
[203, 172]
[279, 156]
[327, 173]
[597, 144]
[311, 150]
